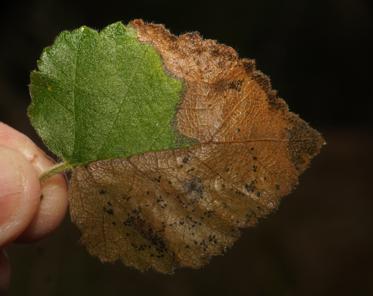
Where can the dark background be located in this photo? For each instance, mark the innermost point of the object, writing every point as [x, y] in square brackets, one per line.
[318, 54]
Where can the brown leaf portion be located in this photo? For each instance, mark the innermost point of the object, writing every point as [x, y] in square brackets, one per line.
[177, 208]
[226, 99]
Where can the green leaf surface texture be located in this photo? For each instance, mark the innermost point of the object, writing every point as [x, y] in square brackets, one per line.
[103, 95]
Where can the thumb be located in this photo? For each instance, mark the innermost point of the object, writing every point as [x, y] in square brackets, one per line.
[19, 194]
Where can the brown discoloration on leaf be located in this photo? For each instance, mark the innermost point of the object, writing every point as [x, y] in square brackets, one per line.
[178, 208]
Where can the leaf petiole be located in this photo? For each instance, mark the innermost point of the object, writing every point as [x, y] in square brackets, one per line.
[58, 168]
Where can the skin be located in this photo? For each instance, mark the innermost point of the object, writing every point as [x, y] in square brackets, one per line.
[29, 210]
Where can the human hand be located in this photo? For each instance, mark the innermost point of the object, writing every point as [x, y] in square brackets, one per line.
[28, 210]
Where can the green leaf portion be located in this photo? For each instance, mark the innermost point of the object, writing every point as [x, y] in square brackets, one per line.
[102, 95]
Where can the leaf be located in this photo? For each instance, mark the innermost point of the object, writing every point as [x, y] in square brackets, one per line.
[103, 95]
[171, 207]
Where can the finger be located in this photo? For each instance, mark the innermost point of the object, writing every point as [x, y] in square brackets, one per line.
[54, 200]
[4, 272]
[19, 194]
[51, 211]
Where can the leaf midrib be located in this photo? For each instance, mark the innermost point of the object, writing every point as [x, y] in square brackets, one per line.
[73, 93]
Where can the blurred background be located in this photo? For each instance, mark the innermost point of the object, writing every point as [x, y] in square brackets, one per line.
[319, 56]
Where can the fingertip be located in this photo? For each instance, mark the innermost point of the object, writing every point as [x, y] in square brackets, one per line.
[52, 210]
[53, 203]
[19, 194]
